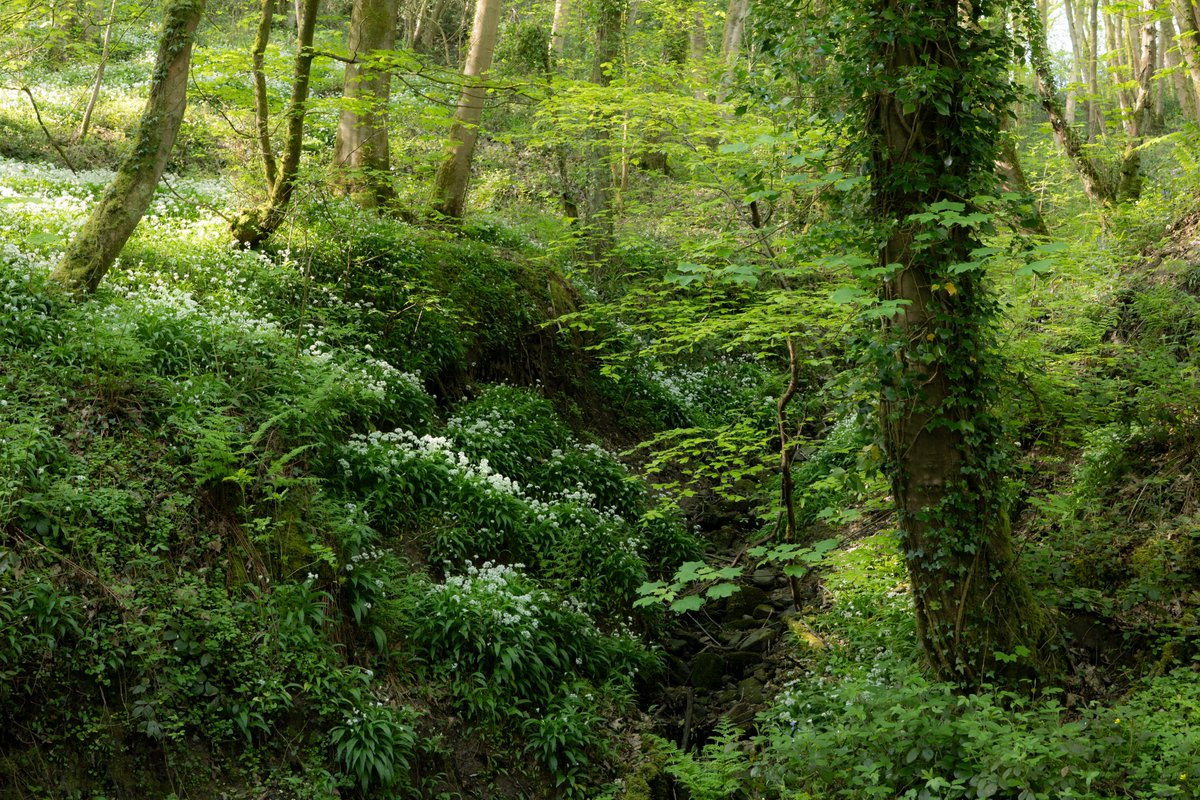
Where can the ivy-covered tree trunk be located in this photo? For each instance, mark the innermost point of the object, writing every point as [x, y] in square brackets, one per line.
[97, 245]
[1096, 185]
[932, 117]
[253, 226]
[360, 150]
[450, 187]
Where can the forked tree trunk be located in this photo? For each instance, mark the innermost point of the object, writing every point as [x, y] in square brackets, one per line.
[450, 188]
[253, 226]
[970, 599]
[1097, 187]
[97, 245]
[360, 150]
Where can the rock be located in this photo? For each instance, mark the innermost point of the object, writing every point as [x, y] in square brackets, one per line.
[751, 690]
[764, 578]
[677, 645]
[744, 602]
[708, 671]
[739, 661]
[763, 611]
[759, 639]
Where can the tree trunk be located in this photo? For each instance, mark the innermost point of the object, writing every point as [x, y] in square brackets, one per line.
[1189, 43]
[95, 95]
[697, 45]
[1012, 179]
[262, 109]
[600, 195]
[943, 442]
[97, 245]
[450, 189]
[1183, 89]
[1130, 183]
[252, 227]
[1095, 185]
[731, 44]
[1077, 60]
[360, 150]
[558, 30]
[1096, 123]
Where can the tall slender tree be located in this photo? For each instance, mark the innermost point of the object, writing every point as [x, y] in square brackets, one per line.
[253, 226]
[609, 29]
[360, 150]
[94, 249]
[933, 77]
[450, 187]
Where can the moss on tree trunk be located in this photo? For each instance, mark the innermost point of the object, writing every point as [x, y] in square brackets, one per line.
[95, 248]
[933, 119]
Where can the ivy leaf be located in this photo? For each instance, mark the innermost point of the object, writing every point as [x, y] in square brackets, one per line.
[722, 590]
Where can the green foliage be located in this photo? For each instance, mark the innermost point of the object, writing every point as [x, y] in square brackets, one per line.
[374, 742]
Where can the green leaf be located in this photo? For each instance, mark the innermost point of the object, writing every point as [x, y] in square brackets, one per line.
[848, 294]
[722, 590]
[690, 603]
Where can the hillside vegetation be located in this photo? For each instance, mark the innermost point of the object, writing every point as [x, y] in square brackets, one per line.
[546, 502]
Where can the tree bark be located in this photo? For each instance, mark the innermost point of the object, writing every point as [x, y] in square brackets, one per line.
[1130, 182]
[94, 249]
[971, 602]
[360, 149]
[1077, 60]
[1096, 123]
[558, 30]
[1012, 179]
[1189, 43]
[253, 226]
[86, 122]
[450, 189]
[697, 45]
[600, 192]
[1183, 88]
[1097, 187]
[262, 109]
[731, 44]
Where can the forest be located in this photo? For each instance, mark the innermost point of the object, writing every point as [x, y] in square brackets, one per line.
[581, 399]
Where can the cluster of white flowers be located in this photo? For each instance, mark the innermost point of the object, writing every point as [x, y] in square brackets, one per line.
[400, 447]
[489, 589]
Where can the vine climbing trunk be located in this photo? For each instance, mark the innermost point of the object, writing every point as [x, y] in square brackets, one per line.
[1096, 185]
[360, 149]
[94, 249]
[251, 227]
[450, 187]
[931, 117]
